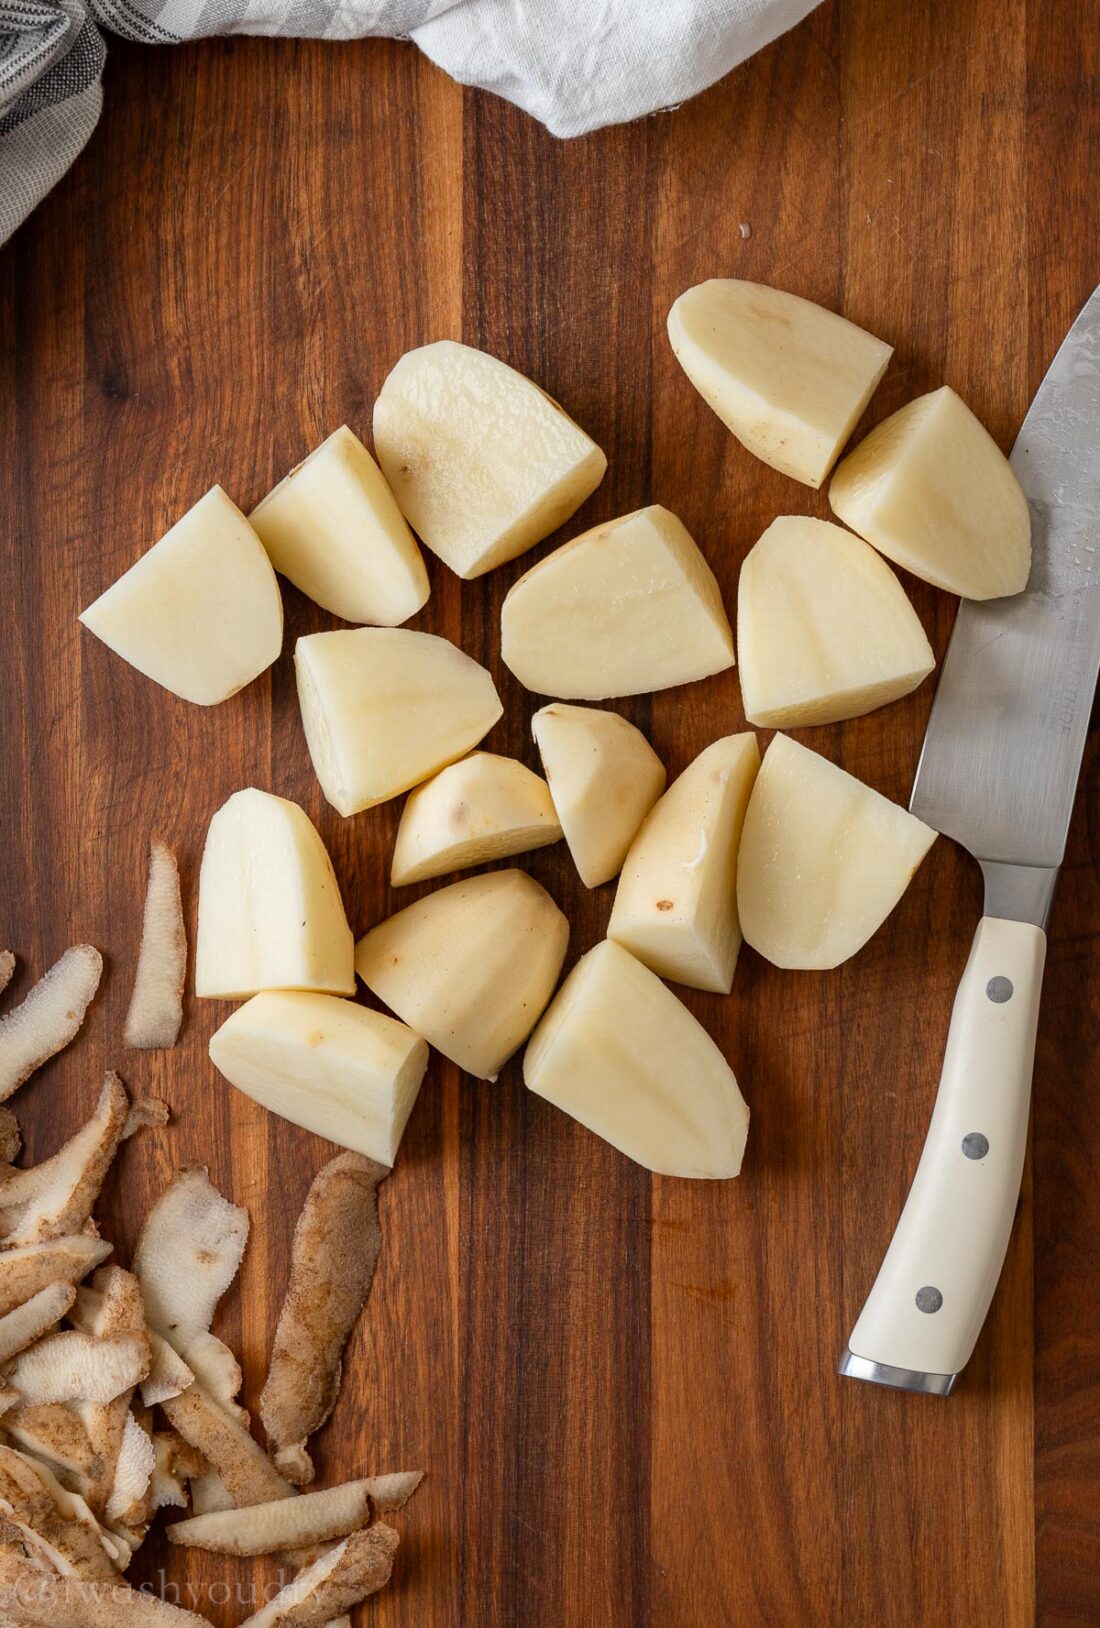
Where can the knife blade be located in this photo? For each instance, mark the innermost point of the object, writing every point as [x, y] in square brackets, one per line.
[998, 773]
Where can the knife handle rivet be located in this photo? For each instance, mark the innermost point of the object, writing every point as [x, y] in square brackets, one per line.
[975, 1145]
[929, 1299]
[999, 990]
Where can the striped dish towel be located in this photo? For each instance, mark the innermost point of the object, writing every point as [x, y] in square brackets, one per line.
[574, 64]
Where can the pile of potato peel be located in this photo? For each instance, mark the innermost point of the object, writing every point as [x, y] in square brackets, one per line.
[116, 1398]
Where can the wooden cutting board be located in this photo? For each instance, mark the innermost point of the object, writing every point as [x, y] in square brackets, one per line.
[621, 1388]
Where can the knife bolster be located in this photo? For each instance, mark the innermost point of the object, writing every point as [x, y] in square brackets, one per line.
[1018, 892]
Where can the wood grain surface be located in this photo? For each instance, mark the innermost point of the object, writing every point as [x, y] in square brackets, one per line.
[621, 1388]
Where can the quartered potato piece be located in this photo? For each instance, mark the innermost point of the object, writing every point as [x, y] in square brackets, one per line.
[824, 859]
[620, 1053]
[482, 462]
[932, 490]
[825, 630]
[331, 1065]
[604, 778]
[333, 528]
[470, 967]
[384, 708]
[629, 607]
[676, 903]
[483, 807]
[270, 915]
[789, 378]
[200, 613]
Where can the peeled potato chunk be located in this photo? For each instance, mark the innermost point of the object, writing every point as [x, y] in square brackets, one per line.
[481, 808]
[384, 708]
[618, 1052]
[676, 903]
[823, 861]
[824, 628]
[482, 462]
[333, 528]
[932, 490]
[604, 778]
[200, 613]
[470, 967]
[789, 378]
[270, 915]
[626, 608]
[327, 1064]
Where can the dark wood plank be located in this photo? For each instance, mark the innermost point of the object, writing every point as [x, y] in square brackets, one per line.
[932, 243]
[622, 1388]
[1064, 228]
[743, 1314]
[558, 1368]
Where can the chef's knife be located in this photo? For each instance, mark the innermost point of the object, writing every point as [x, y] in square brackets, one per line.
[998, 773]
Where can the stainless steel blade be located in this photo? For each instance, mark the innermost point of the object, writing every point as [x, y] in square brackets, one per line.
[1007, 731]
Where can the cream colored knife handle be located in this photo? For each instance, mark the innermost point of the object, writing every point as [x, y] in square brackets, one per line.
[930, 1298]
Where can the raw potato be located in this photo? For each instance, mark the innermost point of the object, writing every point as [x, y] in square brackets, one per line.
[470, 967]
[384, 708]
[482, 462]
[333, 1257]
[604, 778]
[824, 628]
[824, 859]
[789, 378]
[676, 903]
[629, 607]
[622, 1055]
[931, 490]
[481, 808]
[270, 915]
[48, 1017]
[330, 1065]
[333, 528]
[156, 1005]
[200, 612]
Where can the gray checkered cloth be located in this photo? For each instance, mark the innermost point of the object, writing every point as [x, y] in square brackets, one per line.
[573, 64]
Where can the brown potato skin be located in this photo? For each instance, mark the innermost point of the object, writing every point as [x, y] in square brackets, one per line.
[335, 1251]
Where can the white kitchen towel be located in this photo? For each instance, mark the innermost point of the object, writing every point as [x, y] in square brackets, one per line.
[574, 64]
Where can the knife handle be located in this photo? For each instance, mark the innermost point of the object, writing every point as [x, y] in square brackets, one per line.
[929, 1301]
